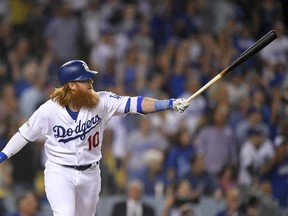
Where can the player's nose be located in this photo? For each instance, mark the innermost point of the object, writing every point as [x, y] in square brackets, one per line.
[91, 81]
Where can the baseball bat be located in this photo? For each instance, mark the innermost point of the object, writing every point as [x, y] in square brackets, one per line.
[250, 51]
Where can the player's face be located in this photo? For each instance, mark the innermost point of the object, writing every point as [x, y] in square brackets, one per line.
[85, 85]
[83, 94]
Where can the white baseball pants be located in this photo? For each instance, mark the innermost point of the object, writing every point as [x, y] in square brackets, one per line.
[71, 192]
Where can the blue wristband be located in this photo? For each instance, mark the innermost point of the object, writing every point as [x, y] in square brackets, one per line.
[163, 104]
[139, 104]
[127, 107]
[3, 157]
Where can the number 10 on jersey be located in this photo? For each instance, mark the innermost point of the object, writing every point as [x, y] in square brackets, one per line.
[93, 141]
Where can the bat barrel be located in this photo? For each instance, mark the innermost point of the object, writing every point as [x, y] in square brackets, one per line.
[252, 50]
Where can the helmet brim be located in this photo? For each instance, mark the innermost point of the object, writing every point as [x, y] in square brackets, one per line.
[86, 76]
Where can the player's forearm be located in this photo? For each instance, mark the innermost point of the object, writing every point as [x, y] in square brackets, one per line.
[15, 144]
[150, 105]
[145, 105]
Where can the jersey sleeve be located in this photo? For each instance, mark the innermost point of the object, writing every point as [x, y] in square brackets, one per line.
[114, 104]
[33, 128]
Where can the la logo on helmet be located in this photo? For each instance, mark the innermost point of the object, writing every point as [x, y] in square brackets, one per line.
[86, 67]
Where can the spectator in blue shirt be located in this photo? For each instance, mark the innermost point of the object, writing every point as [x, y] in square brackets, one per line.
[201, 181]
[154, 178]
[178, 157]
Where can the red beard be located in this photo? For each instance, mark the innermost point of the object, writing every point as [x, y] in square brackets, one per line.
[87, 99]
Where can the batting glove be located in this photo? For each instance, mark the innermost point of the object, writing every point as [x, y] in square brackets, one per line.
[180, 105]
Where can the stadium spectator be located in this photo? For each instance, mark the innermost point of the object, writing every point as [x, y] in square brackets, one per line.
[239, 113]
[233, 201]
[255, 152]
[202, 182]
[154, 178]
[133, 205]
[7, 40]
[254, 118]
[24, 165]
[101, 52]
[62, 35]
[268, 12]
[227, 178]
[275, 171]
[237, 88]
[217, 141]
[90, 19]
[179, 155]
[18, 56]
[139, 141]
[27, 205]
[31, 92]
[180, 200]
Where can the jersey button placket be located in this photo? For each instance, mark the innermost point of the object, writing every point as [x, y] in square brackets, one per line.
[78, 150]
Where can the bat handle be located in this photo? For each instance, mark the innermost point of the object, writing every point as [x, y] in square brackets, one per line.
[217, 77]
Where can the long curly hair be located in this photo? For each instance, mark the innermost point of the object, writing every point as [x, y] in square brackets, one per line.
[62, 95]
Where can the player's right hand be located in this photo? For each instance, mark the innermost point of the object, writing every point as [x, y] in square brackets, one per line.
[180, 105]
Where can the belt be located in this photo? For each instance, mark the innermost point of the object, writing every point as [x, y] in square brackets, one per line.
[81, 167]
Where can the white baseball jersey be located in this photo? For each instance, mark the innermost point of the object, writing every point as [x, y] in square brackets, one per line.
[71, 142]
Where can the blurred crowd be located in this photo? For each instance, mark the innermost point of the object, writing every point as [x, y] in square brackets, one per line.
[233, 134]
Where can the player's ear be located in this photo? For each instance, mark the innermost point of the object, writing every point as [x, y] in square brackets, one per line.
[72, 86]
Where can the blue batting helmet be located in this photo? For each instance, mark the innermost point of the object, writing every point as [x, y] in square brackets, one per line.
[75, 70]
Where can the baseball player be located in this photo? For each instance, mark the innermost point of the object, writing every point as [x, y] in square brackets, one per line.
[73, 121]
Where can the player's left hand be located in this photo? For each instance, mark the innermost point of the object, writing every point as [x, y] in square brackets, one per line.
[180, 105]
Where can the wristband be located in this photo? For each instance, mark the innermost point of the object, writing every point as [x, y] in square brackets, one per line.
[163, 104]
[139, 104]
[3, 157]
